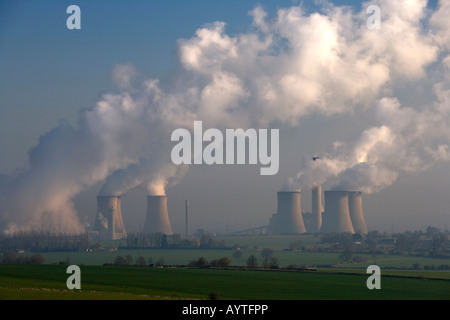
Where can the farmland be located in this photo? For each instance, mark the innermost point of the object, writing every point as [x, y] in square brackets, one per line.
[300, 250]
[100, 282]
[285, 258]
[305, 269]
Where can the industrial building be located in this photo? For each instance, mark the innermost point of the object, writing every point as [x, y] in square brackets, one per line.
[108, 223]
[343, 213]
[356, 212]
[336, 217]
[288, 219]
[157, 218]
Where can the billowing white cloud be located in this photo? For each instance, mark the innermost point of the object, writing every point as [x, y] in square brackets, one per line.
[289, 65]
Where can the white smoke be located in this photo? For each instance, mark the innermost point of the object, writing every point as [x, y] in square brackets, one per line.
[291, 64]
[409, 141]
[404, 139]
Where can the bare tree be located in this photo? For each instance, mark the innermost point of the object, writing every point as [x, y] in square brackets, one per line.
[252, 262]
[266, 254]
[141, 261]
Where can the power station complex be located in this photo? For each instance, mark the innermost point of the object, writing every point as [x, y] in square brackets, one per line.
[109, 223]
[343, 213]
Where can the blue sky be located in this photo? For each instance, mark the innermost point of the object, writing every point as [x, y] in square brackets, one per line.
[48, 73]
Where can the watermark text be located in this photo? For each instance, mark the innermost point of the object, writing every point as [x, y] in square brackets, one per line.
[235, 147]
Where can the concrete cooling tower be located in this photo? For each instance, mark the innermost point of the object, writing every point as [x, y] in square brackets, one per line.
[109, 222]
[316, 219]
[288, 219]
[337, 215]
[157, 219]
[356, 212]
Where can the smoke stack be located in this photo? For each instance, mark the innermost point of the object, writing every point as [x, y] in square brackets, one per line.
[157, 219]
[288, 219]
[187, 217]
[337, 214]
[109, 222]
[316, 219]
[356, 212]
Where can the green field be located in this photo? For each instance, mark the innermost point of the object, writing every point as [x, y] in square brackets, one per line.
[23, 281]
[249, 245]
[182, 257]
[340, 280]
[285, 258]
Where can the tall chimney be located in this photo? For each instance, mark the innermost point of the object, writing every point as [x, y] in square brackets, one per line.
[109, 222]
[337, 216]
[157, 219]
[356, 212]
[316, 219]
[288, 219]
[186, 204]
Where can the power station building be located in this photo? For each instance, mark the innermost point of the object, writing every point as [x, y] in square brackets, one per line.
[343, 213]
[288, 219]
[108, 222]
[337, 215]
[316, 217]
[356, 212]
[157, 219]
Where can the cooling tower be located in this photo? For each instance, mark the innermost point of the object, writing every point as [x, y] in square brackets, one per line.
[356, 212]
[288, 219]
[337, 215]
[109, 222]
[316, 219]
[157, 219]
[186, 207]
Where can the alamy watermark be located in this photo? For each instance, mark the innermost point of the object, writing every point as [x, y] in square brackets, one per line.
[374, 20]
[73, 281]
[374, 281]
[235, 147]
[74, 20]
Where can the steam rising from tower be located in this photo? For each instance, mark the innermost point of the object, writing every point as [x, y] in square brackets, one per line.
[157, 219]
[109, 222]
[252, 79]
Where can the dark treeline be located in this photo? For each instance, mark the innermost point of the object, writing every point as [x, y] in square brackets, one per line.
[176, 241]
[35, 241]
[14, 257]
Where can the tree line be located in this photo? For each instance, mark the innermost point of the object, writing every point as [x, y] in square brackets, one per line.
[14, 257]
[252, 261]
[40, 241]
[140, 240]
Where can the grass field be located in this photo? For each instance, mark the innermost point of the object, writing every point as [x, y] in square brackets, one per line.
[22, 281]
[182, 257]
[285, 258]
[343, 281]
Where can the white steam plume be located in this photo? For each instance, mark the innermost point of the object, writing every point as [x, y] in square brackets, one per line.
[403, 139]
[289, 65]
[408, 141]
